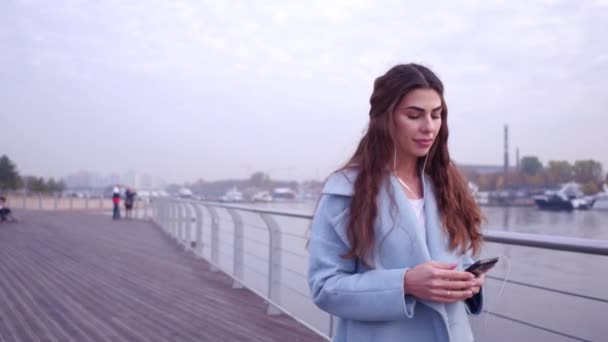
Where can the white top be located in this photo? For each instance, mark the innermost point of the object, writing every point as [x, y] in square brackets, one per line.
[418, 206]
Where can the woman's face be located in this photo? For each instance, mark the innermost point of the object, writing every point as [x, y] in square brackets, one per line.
[417, 120]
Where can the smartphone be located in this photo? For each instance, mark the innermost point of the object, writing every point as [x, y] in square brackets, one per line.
[482, 266]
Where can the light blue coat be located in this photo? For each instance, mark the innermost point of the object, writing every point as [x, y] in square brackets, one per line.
[371, 304]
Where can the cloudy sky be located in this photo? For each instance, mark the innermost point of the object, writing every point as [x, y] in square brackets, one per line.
[214, 89]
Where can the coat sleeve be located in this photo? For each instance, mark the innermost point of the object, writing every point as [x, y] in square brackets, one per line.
[335, 284]
[474, 304]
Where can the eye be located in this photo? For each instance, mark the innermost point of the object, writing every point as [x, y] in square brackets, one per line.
[413, 114]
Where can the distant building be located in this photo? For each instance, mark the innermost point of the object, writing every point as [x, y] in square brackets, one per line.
[114, 179]
[130, 179]
[81, 179]
[483, 169]
[146, 181]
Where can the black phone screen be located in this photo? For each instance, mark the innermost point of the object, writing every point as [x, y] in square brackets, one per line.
[482, 266]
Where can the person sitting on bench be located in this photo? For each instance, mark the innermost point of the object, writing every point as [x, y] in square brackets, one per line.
[5, 212]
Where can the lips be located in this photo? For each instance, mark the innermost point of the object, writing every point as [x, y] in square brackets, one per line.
[423, 142]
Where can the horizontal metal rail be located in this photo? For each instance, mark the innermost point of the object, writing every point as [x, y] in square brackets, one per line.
[557, 243]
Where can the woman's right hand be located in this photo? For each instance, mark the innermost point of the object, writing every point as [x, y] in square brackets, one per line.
[439, 282]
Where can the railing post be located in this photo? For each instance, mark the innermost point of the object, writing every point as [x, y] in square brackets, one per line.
[135, 209]
[55, 201]
[187, 225]
[86, 201]
[147, 213]
[172, 221]
[199, 228]
[39, 201]
[159, 214]
[175, 208]
[101, 201]
[163, 214]
[181, 222]
[215, 236]
[168, 211]
[24, 199]
[238, 248]
[274, 264]
[71, 202]
[167, 205]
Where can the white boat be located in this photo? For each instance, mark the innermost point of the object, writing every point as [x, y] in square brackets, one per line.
[185, 193]
[283, 194]
[569, 197]
[263, 196]
[601, 199]
[481, 197]
[232, 195]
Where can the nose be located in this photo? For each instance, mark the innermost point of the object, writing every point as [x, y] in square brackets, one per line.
[427, 124]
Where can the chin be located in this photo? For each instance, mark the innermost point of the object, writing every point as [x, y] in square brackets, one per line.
[421, 153]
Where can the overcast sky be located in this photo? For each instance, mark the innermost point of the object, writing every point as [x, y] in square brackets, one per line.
[215, 89]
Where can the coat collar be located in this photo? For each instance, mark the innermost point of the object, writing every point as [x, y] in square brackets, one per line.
[436, 245]
[341, 183]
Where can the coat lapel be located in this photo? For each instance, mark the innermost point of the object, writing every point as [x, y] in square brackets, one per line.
[406, 219]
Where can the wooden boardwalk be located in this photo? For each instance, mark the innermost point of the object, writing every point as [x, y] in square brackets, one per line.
[82, 277]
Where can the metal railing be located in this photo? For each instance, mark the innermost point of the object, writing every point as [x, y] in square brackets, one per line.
[184, 220]
[54, 202]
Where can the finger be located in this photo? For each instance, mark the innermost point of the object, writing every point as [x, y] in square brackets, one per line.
[475, 290]
[454, 275]
[481, 279]
[448, 296]
[453, 285]
[443, 265]
[452, 294]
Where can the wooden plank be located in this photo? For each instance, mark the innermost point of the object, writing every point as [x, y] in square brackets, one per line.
[83, 277]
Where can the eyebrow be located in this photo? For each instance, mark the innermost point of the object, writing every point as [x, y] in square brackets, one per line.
[418, 109]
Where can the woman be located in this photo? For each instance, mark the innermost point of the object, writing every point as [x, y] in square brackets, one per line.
[396, 226]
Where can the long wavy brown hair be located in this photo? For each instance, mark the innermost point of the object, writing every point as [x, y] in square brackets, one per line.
[461, 216]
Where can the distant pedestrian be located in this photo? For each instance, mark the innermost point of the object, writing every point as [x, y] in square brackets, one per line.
[129, 201]
[116, 203]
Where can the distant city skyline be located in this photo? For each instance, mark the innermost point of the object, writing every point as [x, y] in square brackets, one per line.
[92, 179]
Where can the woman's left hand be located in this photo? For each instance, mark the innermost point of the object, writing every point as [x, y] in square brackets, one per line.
[478, 283]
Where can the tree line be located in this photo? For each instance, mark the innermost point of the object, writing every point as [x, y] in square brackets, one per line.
[532, 174]
[10, 179]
